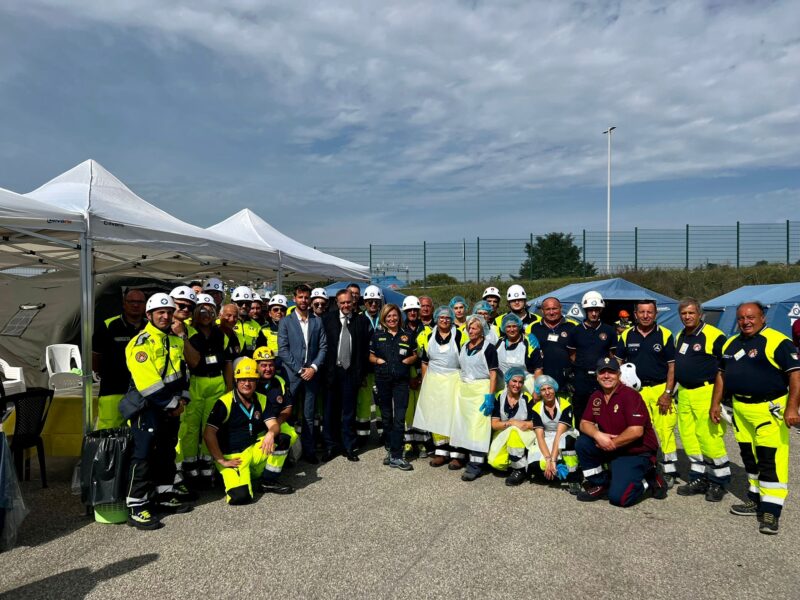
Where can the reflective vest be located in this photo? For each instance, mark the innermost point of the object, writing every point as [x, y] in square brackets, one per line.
[148, 355]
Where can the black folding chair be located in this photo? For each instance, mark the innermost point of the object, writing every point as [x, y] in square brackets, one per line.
[31, 407]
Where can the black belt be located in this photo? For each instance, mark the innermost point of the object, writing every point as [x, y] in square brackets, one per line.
[651, 382]
[699, 385]
[756, 399]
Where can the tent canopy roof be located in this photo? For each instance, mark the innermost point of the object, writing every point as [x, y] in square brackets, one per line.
[611, 289]
[295, 256]
[766, 294]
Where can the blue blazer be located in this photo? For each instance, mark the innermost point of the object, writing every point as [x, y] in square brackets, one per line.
[292, 345]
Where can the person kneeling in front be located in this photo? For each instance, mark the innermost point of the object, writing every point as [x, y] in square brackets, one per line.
[616, 432]
[241, 434]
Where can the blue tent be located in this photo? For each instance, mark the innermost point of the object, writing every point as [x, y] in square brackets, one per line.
[782, 301]
[619, 294]
[389, 295]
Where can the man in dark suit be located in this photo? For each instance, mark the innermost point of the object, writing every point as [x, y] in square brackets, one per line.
[301, 346]
[343, 370]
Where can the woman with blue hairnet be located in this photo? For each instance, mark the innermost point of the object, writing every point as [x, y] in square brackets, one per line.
[515, 349]
[512, 427]
[554, 456]
[439, 350]
[472, 426]
[460, 309]
[484, 309]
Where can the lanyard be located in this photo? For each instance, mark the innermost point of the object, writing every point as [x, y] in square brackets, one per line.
[373, 322]
[247, 414]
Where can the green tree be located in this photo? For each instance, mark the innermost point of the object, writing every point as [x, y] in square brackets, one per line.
[554, 255]
[435, 279]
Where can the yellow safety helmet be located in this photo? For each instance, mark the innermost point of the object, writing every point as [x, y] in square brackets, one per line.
[246, 369]
[263, 353]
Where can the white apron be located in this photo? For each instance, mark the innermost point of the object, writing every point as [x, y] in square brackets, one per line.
[513, 358]
[437, 396]
[550, 430]
[471, 429]
[500, 440]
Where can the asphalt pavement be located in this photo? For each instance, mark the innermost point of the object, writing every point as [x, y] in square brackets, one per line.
[362, 530]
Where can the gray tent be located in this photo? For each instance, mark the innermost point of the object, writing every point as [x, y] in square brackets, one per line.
[50, 305]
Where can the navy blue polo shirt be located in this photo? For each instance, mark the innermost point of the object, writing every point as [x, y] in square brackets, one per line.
[215, 350]
[748, 370]
[278, 397]
[698, 355]
[553, 342]
[241, 428]
[110, 340]
[393, 349]
[591, 344]
[651, 353]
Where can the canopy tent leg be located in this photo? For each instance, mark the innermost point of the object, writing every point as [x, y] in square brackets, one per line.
[87, 320]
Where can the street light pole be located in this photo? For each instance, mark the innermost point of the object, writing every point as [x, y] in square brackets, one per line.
[608, 203]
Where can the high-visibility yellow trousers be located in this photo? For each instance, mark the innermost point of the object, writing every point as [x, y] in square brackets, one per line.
[703, 440]
[108, 415]
[203, 393]
[764, 443]
[664, 426]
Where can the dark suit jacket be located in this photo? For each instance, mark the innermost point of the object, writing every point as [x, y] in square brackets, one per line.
[292, 347]
[333, 330]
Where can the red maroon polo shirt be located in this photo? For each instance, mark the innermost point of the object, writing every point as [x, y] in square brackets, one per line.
[624, 409]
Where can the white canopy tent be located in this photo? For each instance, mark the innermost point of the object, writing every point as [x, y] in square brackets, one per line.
[295, 256]
[88, 221]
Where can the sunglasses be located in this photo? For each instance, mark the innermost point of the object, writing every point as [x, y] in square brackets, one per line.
[372, 301]
[277, 309]
[242, 303]
[318, 304]
[182, 306]
[408, 310]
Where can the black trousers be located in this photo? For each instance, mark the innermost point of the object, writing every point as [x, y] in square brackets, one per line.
[339, 414]
[393, 402]
[155, 434]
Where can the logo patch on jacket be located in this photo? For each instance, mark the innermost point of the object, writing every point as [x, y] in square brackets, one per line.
[603, 336]
[752, 353]
[141, 357]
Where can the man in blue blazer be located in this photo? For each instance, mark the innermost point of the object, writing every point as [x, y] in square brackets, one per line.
[301, 347]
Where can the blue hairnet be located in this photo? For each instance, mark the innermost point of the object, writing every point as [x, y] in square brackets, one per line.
[542, 381]
[511, 318]
[514, 372]
[481, 320]
[482, 305]
[443, 310]
[459, 300]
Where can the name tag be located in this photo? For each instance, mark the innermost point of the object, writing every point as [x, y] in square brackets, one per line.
[738, 355]
[211, 360]
[553, 337]
[403, 351]
[684, 348]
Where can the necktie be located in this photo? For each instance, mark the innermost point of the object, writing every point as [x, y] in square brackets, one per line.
[344, 345]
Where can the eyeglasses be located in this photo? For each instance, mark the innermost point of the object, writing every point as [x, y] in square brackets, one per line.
[408, 310]
[372, 301]
[242, 303]
[318, 304]
[277, 309]
[182, 306]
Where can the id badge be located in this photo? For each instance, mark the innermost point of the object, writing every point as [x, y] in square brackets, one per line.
[552, 337]
[738, 355]
[684, 348]
[211, 360]
[403, 351]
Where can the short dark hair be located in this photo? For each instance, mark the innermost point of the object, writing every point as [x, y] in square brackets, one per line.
[194, 283]
[342, 292]
[354, 285]
[638, 303]
[301, 287]
[690, 301]
[129, 291]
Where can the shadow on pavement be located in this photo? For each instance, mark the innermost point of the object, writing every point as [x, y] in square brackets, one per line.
[77, 583]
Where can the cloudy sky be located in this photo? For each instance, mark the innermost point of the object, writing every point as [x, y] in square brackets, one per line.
[349, 122]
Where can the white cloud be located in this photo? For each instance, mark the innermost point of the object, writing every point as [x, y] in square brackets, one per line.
[495, 97]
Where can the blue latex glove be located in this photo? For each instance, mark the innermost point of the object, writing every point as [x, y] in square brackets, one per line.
[562, 471]
[488, 405]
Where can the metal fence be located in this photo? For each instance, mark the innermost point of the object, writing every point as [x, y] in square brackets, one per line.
[481, 259]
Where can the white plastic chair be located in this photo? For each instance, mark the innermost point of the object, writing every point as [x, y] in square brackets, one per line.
[60, 359]
[13, 381]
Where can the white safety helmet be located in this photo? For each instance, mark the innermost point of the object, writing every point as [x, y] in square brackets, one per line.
[373, 292]
[242, 294]
[493, 291]
[319, 293]
[257, 298]
[278, 300]
[516, 292]
[410, 303]
[184, 292]
[159, 300]
[214, 285]
[592, 300]
[629, 377]
[205, 299]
